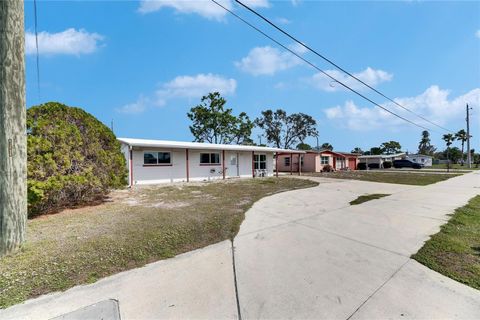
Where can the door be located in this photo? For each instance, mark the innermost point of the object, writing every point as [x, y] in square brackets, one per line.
[352, 163]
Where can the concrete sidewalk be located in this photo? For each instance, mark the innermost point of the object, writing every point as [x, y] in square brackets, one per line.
[301, 254]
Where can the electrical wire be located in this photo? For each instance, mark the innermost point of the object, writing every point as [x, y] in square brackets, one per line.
[36, 45]
[317, 68]
[337, 66]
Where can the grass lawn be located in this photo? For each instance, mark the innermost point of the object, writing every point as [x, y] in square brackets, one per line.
[455, 250]
[368, 197]
[417, 178]
[134, 228]
[454, 167]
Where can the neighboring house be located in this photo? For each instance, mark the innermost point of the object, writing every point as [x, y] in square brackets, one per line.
[424, 160]
[380, 159]
[314, 161]
[159, 161]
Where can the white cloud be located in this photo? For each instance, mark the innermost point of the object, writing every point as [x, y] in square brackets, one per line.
[433, 104]
[194, 87]
[477, 34]
[282, 20]
[267, 61]
[370, 76]
[70, 41]
[134, 108]
[204, 8]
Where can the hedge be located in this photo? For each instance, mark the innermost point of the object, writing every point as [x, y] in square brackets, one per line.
[73, 158]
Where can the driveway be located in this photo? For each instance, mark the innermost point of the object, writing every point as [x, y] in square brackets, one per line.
[301, 254]
[309, 254]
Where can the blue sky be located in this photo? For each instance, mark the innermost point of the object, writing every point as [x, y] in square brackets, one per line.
[144, 64]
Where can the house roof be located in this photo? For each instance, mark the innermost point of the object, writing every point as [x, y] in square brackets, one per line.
[383, 156]
[343, 154]
[418, 155]
[199, 145]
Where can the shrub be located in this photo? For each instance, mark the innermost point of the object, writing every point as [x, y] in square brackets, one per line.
[73, 158]
[373, 166]
[327, 168]
[361, 166]
[387, 164]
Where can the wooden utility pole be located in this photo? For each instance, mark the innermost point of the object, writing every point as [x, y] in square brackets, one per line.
[469, 154]
[13, 140]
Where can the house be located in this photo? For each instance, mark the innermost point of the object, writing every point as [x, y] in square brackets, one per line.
[160, 161]
[376, 161]
[314, 161]
[424, 160]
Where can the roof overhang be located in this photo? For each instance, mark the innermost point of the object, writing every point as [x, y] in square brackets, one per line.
[145, 143]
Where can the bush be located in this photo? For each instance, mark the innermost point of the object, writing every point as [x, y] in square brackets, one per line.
[327, 168]
[387, 164]
[373, 166]
[361, 166]
[73, 158]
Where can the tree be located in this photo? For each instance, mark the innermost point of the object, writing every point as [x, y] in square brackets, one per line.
[285, 131]
[425, 147]
[13, 143]
[376, 151]
[304, 146]
[73, 158]
[448, 138]
[461, 136]
[326, 146]
[390, 147]
[357, 150]
[213, 122]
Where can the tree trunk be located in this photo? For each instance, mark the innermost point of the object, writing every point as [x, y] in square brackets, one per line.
[13, 143]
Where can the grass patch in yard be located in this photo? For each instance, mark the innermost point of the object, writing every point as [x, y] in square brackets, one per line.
[454, 167]
[368, 197]
[455, 250]
[136, 227]
[417, 178]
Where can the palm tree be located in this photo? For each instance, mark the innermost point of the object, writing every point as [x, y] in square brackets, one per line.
[425, 146]
[448, 138]
[461, 135]
[326, 146]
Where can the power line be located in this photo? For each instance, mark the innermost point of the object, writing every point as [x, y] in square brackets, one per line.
[336, 65]
[317, 68]
[36, 44]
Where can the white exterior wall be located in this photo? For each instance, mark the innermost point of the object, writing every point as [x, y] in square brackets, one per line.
[177, 171]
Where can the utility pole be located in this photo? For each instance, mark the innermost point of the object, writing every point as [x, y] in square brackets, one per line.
[469, 154]
[13, 139]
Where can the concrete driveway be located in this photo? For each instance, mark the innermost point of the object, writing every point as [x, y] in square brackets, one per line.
[308, 254]
[304, 254]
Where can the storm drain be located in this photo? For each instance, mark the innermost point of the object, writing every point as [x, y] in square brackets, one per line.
[103, 310]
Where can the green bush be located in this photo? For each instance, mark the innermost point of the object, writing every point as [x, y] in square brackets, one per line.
[387, 164]
[73, 158]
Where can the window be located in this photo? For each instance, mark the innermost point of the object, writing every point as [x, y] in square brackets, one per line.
[260, 161]
[286, 161]
[209, 158]
[324, 160]
[156, 158]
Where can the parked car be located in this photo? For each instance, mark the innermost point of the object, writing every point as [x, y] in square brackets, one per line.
[406, 164]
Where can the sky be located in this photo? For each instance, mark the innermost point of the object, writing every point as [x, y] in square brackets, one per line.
[144, 64]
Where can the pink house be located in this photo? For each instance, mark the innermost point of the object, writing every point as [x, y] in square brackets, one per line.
[314, 161]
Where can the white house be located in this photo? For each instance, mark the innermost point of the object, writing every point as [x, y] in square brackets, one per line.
[160, 161]
[420, 158]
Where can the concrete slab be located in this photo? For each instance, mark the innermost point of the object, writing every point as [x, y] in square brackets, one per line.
[295, 272]
[402, 234]
[198, 284]
[417, 292]
[103, 310]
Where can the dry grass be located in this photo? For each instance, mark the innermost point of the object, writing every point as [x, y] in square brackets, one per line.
[134, 228]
